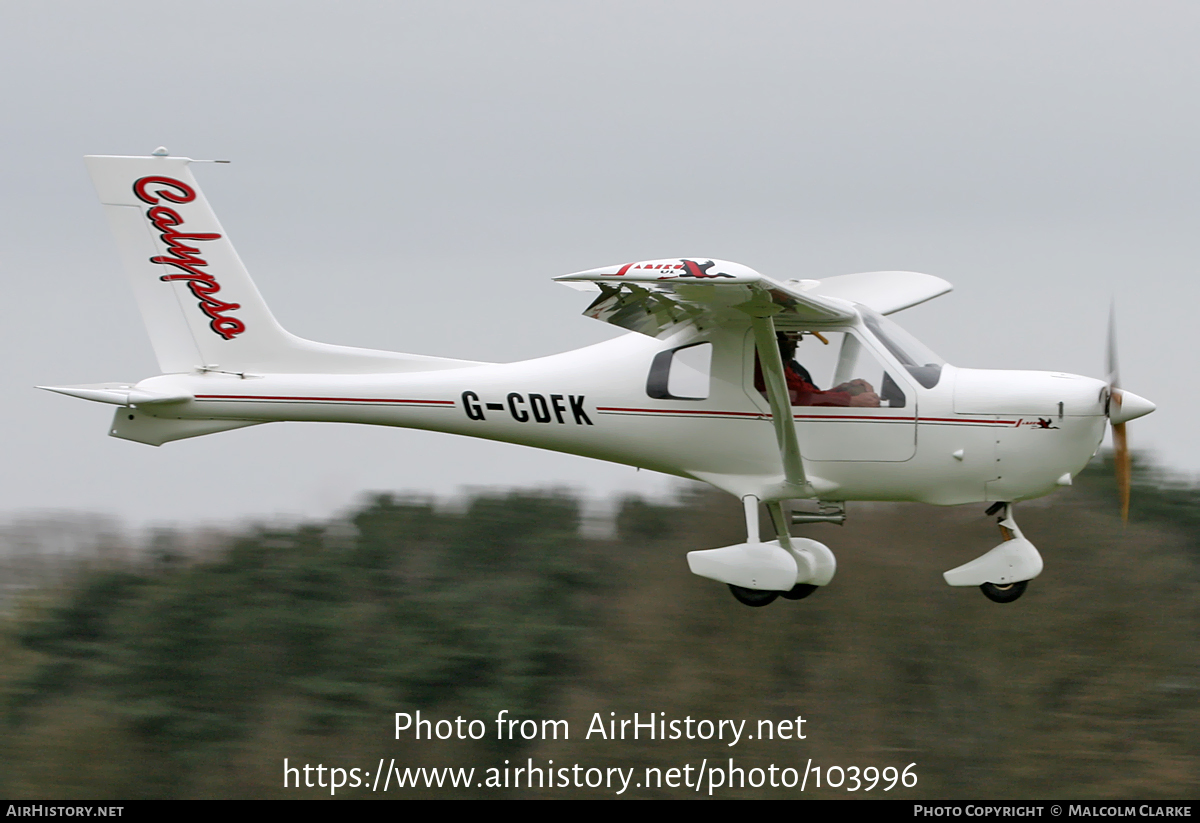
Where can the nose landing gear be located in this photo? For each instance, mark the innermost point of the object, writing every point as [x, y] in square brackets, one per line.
[1003, 594]
[1004, 572]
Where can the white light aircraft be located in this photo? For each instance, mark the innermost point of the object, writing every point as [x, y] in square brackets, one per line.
[720, 381]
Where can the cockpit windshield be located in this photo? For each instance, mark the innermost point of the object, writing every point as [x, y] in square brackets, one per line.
[915, 356]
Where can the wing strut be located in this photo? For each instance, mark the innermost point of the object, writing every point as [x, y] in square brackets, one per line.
[777, 395]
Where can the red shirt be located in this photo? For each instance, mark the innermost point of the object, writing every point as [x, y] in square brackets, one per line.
[801, 391]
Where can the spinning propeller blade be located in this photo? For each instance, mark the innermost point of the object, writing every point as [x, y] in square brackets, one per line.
[1122, 407]
[1123, 468]
[1121, 462]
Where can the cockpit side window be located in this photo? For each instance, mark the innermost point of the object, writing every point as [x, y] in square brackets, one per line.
[924, 366]
[833, 369]
[681, 374]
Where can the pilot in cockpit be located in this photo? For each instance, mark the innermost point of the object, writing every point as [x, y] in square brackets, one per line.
[804, 392]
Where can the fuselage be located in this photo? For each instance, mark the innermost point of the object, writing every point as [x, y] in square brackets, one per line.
[972, 435]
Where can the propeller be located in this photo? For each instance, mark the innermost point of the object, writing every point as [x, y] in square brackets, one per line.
[1122, 407]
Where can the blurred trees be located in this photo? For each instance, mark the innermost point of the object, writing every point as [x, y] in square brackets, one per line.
[401, 607]
[188, 673]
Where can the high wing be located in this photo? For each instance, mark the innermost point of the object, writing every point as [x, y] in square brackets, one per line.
[653, 296]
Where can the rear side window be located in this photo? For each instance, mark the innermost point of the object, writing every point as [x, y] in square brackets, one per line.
[681, 374]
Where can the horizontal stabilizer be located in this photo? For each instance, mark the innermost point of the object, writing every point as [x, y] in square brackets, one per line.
[119, 394]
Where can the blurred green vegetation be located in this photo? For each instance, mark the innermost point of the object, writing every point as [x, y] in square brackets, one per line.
[173, 672]
[1158, 495]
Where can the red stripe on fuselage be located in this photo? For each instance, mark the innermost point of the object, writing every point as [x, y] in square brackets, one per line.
[319, 399]
[834, 416]
[680, 411]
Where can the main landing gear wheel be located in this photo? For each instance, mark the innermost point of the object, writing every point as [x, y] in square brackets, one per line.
[799, 591]
[1003, 594]
[753, 597]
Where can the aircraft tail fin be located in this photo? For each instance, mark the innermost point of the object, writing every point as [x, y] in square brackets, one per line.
[200, 306]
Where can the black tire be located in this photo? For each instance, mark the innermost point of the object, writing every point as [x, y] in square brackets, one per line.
[1004, 594]
[799, 591]
[753, 597]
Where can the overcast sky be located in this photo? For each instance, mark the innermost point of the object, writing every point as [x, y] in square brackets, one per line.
[409, 175]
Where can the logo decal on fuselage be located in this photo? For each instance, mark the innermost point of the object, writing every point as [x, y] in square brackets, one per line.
[1040, 423]
[184, 257]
